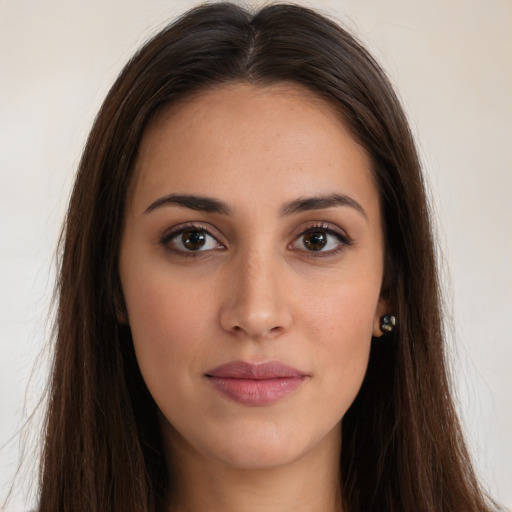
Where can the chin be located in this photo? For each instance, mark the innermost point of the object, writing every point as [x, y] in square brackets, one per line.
[255, 456]
[268, 446]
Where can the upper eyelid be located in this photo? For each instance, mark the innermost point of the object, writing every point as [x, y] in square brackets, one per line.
[167, 238]
[325, 226]
[180, 228]
[343, 239]
[217, 235]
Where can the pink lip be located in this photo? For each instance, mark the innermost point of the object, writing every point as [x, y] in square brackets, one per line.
[255, 384]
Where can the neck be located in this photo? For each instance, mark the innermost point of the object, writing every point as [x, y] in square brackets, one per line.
[309, 484]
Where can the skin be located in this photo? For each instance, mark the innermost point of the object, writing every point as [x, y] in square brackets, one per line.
[254, 292]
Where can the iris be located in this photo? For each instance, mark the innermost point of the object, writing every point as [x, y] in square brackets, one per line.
[315, 241]
[193, 240]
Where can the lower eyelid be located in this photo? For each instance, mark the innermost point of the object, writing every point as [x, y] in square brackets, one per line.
[166, 239]
[342, 241]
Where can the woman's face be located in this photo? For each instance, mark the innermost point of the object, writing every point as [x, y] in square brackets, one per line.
[251, 266]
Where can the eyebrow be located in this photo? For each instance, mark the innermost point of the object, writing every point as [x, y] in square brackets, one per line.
[210, 205]
[321, 202]
[199, 203]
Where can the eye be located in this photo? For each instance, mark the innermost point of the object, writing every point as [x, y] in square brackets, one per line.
[320, 239]
[191, 239]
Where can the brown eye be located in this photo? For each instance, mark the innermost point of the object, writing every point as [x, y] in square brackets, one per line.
[324, 241]
[315, 240]
[193, 240]
[190, 240]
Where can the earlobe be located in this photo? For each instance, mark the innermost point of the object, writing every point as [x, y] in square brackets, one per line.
[384, 322]
[387, 323]
[121, 317]
[120, 309]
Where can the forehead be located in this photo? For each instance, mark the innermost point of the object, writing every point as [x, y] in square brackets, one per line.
[281, 141]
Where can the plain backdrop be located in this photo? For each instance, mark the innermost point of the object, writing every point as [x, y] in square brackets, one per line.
[451, 62]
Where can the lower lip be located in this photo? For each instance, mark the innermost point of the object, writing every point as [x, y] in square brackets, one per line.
[256, 391]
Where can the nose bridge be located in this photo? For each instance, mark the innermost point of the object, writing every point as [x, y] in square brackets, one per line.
[256, 304]
[258, 279]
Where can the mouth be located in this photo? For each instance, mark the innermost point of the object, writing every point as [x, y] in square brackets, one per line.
[255, 383]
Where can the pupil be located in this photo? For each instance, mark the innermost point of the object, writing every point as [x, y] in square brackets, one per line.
[193, 240]
[315, 241]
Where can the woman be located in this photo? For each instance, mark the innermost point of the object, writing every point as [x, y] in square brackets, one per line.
[242, 324]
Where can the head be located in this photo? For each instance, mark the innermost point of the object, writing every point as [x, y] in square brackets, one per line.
[209, 52]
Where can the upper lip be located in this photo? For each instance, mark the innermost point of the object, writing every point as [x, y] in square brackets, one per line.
[256, 371]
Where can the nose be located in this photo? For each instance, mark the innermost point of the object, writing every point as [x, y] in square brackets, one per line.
[255, 305]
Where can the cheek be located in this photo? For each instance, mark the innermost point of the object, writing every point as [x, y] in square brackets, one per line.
[343, 314]
[167, 329]
[341, 322]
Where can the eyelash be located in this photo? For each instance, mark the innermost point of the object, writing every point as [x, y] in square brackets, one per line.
[173, 233]
[343, 240]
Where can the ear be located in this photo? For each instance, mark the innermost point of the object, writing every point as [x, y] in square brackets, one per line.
[383, 308]
[121, 317]
[120, 307]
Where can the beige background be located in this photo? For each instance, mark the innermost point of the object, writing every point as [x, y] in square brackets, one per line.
[451, 61]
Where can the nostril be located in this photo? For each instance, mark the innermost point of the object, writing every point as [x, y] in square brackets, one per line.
[272, 331]
[255, 317]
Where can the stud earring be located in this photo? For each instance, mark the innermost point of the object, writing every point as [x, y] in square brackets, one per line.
[387, 323]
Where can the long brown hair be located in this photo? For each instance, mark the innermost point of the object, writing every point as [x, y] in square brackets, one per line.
[402, 444]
